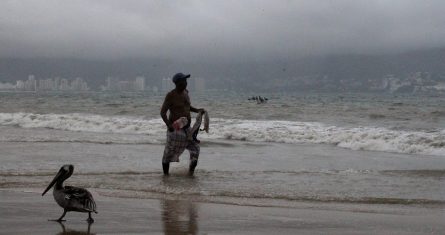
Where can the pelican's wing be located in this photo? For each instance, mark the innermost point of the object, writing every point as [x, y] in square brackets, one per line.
[80, 198]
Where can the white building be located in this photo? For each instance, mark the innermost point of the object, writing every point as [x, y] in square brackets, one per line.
[31, 83]
[79, 84]
[46, 85]
[64, 85]
[139, 83]
[167, 84]
[20, 85]
[112, 83]
[56, 83]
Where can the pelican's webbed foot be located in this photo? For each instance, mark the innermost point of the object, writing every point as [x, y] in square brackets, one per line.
[61, 217]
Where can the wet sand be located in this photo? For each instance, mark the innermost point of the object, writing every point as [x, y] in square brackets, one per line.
[27, 212]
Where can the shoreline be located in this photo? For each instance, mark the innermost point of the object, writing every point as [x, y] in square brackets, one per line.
[28, 212]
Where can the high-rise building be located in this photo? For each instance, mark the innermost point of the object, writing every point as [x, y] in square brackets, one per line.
[64, 85]
[56, 83]
[112, 83]
[46, 85]
[196, 84]
[167, 84]
[20, 85]
[31, 83]
[79, 84]
[139, 84]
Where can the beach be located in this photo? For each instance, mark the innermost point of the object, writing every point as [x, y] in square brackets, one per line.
[174, 205]
[295, 165]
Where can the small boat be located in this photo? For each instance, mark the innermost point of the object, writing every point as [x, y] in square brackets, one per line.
[71, 198]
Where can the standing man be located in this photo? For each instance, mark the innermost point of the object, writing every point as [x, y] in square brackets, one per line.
[177, 102]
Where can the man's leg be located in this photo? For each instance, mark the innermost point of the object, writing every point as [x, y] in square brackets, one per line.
[193, 164]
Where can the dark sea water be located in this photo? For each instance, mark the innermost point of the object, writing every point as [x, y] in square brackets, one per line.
[352, 148]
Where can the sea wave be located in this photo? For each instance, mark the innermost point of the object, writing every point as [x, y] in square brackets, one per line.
[355, 138]
[83, 122]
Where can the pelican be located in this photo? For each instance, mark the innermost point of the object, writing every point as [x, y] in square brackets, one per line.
[71, 198]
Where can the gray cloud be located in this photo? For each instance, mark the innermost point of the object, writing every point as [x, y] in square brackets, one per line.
[216, 29]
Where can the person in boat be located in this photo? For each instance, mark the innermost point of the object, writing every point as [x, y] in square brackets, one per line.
[177, 103]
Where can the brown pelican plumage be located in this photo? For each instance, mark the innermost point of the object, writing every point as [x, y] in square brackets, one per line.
[71, 198]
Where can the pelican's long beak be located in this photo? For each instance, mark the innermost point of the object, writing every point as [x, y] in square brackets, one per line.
[59, 174]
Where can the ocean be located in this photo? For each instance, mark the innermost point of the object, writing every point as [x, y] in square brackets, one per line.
[295, 148]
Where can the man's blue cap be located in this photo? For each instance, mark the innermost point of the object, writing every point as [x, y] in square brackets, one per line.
[180, 76]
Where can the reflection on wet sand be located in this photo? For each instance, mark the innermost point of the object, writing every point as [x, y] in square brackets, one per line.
[74, 232]
[179, 217]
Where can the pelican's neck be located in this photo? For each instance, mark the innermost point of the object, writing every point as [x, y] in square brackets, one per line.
[59, 184]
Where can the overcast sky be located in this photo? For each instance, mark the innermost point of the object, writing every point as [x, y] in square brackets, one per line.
[110, 29]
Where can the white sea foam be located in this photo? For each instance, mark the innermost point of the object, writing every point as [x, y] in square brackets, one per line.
[84, 122]
[357, 138]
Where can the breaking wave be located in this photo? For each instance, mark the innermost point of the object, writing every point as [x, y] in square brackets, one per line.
[356, 138]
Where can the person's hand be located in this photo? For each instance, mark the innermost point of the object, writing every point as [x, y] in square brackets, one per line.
[200, 110]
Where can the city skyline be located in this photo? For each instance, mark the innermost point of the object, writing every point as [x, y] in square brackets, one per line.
[111, 83]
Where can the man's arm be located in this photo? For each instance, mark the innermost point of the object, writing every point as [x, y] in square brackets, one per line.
[165, 107]
[195, 110]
